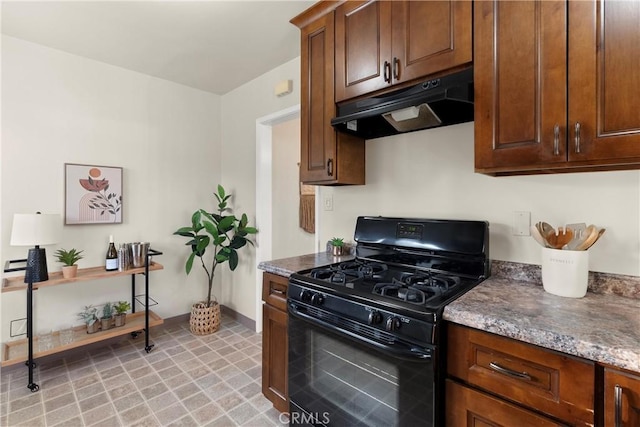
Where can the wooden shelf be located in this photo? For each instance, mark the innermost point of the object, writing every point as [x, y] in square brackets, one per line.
[16, 351]
[16, 283]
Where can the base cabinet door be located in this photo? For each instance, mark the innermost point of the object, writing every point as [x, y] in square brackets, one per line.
[274, 357]
[469, 407]
[621, 398]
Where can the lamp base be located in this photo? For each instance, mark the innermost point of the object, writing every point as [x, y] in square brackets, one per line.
[36, 266]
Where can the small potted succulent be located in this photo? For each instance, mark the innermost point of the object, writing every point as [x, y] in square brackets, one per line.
[88, 315]
[107, 315]
[121, 308]
[337, 246]
[69, 258]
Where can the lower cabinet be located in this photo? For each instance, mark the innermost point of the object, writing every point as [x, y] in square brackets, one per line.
[469, 407]
[274, 340]
[495, 380]
[621, 398]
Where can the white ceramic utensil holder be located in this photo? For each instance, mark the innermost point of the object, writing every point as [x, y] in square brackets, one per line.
[565, 273]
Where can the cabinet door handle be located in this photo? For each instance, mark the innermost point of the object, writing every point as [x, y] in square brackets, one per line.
[387, 72]
[556, 140]
[396, 68]
[617, 399]
[577, 137]
[330, 167]
[509, 372]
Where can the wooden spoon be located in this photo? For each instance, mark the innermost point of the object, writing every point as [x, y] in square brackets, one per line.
[547, 232]
[590, 236]
[600, 233]
[535, 233]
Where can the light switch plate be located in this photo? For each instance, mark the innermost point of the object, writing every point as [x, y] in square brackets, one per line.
[521, 223]
[328, 202]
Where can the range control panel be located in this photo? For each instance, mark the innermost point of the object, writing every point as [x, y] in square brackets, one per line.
[410, 231]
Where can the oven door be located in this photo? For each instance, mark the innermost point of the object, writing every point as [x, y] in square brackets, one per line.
[338, 377]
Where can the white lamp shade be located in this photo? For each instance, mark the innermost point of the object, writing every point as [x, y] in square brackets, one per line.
[36, 229]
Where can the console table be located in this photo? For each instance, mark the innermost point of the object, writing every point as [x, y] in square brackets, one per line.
[18, 351]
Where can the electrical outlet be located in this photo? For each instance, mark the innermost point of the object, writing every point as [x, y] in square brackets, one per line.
[521, 224]
[328, 202]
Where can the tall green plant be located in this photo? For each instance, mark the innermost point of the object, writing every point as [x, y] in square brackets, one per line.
[223, 233]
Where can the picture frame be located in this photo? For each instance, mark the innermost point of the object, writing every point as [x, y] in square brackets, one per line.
[93, 194]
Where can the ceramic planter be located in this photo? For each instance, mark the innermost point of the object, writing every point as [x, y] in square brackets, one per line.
[70, 271]
[337, 250]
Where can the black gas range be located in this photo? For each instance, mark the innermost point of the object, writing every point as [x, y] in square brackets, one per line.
[364, 335]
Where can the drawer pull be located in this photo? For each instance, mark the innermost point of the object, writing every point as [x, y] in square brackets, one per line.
[509, 372]
[617, 399]
[278, 291]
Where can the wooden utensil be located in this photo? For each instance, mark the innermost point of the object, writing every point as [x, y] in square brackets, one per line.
[535, 233]
[600, 233]
[563, 237]
[547, 232]
[590, 236]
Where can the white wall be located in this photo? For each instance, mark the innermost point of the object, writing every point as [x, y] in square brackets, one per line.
[240, 110]
[429, 174]
[59, 108]
[288, 238]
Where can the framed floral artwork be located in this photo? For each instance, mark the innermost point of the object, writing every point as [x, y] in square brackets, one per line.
[93, 194]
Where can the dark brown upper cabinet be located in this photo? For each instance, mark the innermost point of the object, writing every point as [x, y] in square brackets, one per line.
[379, 44]
[557, 86]
[326, 156]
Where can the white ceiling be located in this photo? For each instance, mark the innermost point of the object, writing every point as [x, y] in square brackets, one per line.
[215, 46]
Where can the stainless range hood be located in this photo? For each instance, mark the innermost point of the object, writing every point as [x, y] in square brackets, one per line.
[437, 102]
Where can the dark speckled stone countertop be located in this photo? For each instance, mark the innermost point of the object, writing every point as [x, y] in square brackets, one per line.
[286, 266]
[604, 326]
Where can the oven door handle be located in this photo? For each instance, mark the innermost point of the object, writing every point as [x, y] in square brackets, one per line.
[399, 350]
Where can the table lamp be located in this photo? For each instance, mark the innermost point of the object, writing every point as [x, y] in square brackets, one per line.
[36, 230]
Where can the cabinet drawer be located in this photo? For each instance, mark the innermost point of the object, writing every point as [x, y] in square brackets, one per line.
[274, 290]
[467, 407]
[558, 385]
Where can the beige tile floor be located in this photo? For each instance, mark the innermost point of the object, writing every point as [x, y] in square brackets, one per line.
[187, 380]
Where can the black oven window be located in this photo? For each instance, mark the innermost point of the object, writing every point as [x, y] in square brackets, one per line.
[348, 383]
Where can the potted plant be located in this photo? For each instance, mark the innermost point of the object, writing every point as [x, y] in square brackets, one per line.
[88, 315]
[337, 246]
[69, 259]
[107, 314]
[223, 234]
[121, 308]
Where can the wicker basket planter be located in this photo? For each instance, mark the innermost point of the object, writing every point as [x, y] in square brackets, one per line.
[204, 320]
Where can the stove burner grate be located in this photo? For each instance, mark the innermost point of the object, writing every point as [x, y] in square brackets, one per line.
[417, 288]
[349, 271]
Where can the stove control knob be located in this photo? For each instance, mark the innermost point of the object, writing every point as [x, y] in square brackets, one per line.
[393, 323]
[375, 317]
[317, 299]
[305, 296]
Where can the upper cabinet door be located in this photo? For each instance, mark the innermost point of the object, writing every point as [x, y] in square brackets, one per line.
[383, 43]
[520, 84]
[363, 47]
[428, 37]
[318, 142]
[604, 80]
